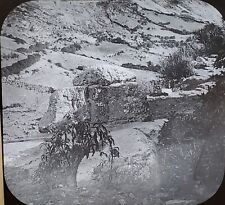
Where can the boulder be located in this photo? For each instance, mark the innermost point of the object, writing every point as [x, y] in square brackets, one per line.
[116, 103]
[63, 103]
[106, 75]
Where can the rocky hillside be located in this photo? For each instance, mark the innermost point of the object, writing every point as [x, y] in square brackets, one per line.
[47, 46]
[151, 70]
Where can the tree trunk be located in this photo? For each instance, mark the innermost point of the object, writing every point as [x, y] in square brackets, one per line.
[74, 168]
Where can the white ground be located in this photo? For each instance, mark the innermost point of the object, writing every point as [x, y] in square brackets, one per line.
[129, 138]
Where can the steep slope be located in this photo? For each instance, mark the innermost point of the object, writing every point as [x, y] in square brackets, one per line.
[132, 26]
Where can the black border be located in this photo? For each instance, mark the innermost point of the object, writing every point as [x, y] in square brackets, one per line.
[8, 5]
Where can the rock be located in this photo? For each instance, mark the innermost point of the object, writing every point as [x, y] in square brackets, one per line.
[201, 60]
[80, 67]
[62, 102]
[113, 103]
[25, 131]
[179, 202]
[122, 201]
[60, 186]
[90, 77]
[131, 195]
[71, 48]
[135, 172]
[104, 76]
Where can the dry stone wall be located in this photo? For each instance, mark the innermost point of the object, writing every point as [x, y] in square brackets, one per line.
[116, 103]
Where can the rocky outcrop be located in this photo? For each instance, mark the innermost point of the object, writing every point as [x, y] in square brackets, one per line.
[107, 94]
[62, 102]
[104, 76]
[112, 104]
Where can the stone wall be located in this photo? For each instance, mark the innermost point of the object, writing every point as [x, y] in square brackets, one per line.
[116, 103]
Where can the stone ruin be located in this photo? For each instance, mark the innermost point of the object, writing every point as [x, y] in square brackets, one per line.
[111, 102]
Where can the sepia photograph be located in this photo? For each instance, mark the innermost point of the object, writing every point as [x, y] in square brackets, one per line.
[113, 102]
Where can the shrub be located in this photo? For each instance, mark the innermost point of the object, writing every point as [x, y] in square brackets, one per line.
[119, 40]
[212, 37]
[38, 47]
[69, 145]
[80, 67]
[59, 65]
[11, 55]
[12, 105]
[22, 50]
[15, 68]
[16, 39]
[71, 48]
[220, 60]
[174, 2]
[176, 67]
